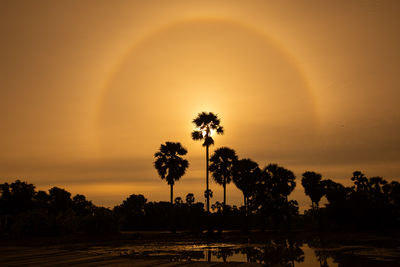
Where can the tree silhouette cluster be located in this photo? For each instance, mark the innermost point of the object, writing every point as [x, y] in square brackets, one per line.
[23, 210]
[265, 191]
[370, 203]
[135, 213]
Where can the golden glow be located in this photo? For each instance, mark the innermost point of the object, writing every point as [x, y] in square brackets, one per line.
[204, 132]
[202, 63]
[86, 101]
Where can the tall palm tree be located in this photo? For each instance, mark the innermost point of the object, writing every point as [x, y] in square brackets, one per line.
[245, 178]
[206, 124]
[169, 163]
[222, 166]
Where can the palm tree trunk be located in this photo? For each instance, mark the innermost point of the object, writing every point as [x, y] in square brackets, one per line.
[244, 202]
[224, 208]
[224, 193]
[208, 195]
[247, 206]
[172, 193]
[246, 213]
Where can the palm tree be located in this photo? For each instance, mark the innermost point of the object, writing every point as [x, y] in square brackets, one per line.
[190, 199]
[313, 187]
[278, 183]
[245, 178]
[222, 166]
[206, 124]
[281, 181]
[169, 163]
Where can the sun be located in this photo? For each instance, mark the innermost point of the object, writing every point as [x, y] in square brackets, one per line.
[204, 131]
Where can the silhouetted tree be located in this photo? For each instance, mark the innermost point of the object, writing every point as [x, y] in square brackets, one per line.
[222, 166]
[42, 199]
[17, 197]
[369, 200]
[217, 207]
[208, 194]
[190, 199]
[16, 203]
[169, 163]
[313, 188]
[60, 199]
[271, 193]
[81, 206]
[371, 203]
[367, 204]
[102, 221]
[360, 181]
[131, 211]
[393, 192]
[335, 193]
[206, 124]
[178, 201]
[281, 181]
[246, 174]
[158, 215]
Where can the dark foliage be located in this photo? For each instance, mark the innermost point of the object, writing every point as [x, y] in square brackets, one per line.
[23, 211]
[246, 175]
[206, 123]
[313, 187]
[222, 167]
[169, 163]
[370, 204]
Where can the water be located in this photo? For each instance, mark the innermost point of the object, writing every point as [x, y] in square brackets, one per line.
[280, 253]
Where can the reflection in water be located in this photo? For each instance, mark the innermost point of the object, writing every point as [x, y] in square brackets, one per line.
[223, 253]
[277, 252]
[280, 252]
[322, 257]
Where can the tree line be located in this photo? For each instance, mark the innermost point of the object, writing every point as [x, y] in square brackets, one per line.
[25, 211]
[370, 203]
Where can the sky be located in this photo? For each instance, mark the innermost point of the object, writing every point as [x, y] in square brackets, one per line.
[90, 89]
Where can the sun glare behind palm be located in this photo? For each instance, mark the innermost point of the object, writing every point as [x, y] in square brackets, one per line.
[205, 130]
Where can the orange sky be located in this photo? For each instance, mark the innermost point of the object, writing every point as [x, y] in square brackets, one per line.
[89, 90]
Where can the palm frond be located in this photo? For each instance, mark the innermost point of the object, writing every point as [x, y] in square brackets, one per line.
[197, 135]
[208, 141]
[169, 164]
